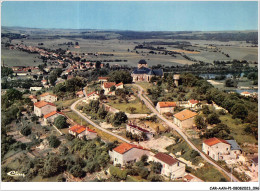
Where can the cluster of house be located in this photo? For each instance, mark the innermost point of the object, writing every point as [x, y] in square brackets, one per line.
[81, 131]
[127, 153]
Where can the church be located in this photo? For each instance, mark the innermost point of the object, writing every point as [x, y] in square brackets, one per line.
[144, 74]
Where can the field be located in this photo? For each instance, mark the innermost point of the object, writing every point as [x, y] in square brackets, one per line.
[19, 58]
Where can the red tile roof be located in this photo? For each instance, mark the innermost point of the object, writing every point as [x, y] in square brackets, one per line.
[124, 147]
[109, 84]
[41, 104]
[185, 114]
[121, 83]
[214, 140]
[47, 93]
[245, 93]
[167, 104]
[188, 177]
[77, 128]
[103, 78]
[79, 93]
[51, 114]
[166, 158]
[192, 101]
[32, 97]
[92, 93]
[90, 130]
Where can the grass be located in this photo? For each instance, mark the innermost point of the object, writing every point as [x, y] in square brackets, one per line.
[102, 134]
[65, 103]
[140, 108]
[145, 85]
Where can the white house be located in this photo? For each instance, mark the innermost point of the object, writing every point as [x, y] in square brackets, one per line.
[93, 96]
[35, 88]
[48, 97]
[217, 149]
[50, 117]
[138, 131]
[192, 103]
[184, 119]
[165, 107]
[80, 94]
[102, 79]
[106, 86]
[43, 108]
[127, 153]
[80, 131]
[171, 167]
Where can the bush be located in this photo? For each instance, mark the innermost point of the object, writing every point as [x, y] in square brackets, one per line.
[61, 122]
[77, 171]
[143, 172]
[53, 141]
[213, 119]
[116, 172]
[26, 131]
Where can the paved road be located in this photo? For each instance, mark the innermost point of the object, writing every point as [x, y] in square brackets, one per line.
[94, 124]
[150, 106]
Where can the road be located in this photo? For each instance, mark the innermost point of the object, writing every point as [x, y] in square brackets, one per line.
[72, 107]
[150, 106]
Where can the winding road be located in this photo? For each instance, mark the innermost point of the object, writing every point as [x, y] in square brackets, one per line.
[150, 106]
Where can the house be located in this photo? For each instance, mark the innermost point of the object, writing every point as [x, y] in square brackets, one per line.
[127, 153]
[144, 74]
[35, 88]
[106, 86]
[165, 107]
[80, 131]
[184, 119]
[80, 94]
[138, 131]
[246, 94]
[43, 108]
[44, 82]
[48, 97]
[217, 149]
[193, 103]
[93, 95]
[171, 167]
[33, 98]
[50, 117]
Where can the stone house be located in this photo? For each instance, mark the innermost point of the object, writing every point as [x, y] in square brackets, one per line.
[43, 108]
[80, 131]
[138, 131]
[165, 107]
[127, 153]
[217, 149]
[50, 117]
[171, 167]
[48, 97]
[93, 96]
[184, 119]
[106, 86]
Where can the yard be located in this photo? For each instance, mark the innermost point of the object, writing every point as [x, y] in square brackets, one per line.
[65, 103]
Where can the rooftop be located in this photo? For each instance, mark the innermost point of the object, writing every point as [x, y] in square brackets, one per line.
[41, 104]
[77, 128]
[124, 147]
[185, 114]
[46, 94]
[234, 145]
[167, 104]
[51, 114]
[166, 158]
[109, 84]
[193, 101]
[214, 141]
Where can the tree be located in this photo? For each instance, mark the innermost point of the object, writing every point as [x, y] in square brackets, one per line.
[200, 122]
[26, 131]
[13, 94]
[120, 76]
[239, 111]
[53, 141]
[52, 79]
[213, 119]
[102, 113]
[230, 83]
[61, 122]
[53, 166]
[113, 88]
[156, 167]
[77, 171]
[5, 71]
[131, 109]
[143, 172]
[119, 118]
[144, 159]
[205, 109]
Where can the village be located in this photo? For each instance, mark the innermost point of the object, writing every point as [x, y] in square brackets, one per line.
[166, 138]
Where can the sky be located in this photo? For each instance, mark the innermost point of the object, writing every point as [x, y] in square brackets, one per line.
[133, 15]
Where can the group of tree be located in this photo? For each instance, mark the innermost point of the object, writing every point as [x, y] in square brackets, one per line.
[120, 76]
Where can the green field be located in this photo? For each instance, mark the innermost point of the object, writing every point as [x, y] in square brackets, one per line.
[19, 58]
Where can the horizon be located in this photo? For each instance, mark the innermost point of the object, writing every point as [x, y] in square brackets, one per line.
[133, 16]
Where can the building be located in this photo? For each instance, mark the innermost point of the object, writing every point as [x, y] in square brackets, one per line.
[193, 103]
[235, 149]
[35, 88]
[138, 131]
[103, 79]
[106, 86]
[48, 97]
[171, 167]
[50, 117]
[144, 74]
[246, 94]
[33, 98]
[127, 153]
[165, 107]
[81, 131]
[80, 94]
[217, 149]
[176, 78]
[43, 108]
[93, 95]
[184, 119]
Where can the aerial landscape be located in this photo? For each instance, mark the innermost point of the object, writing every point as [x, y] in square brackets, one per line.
[84, 103]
